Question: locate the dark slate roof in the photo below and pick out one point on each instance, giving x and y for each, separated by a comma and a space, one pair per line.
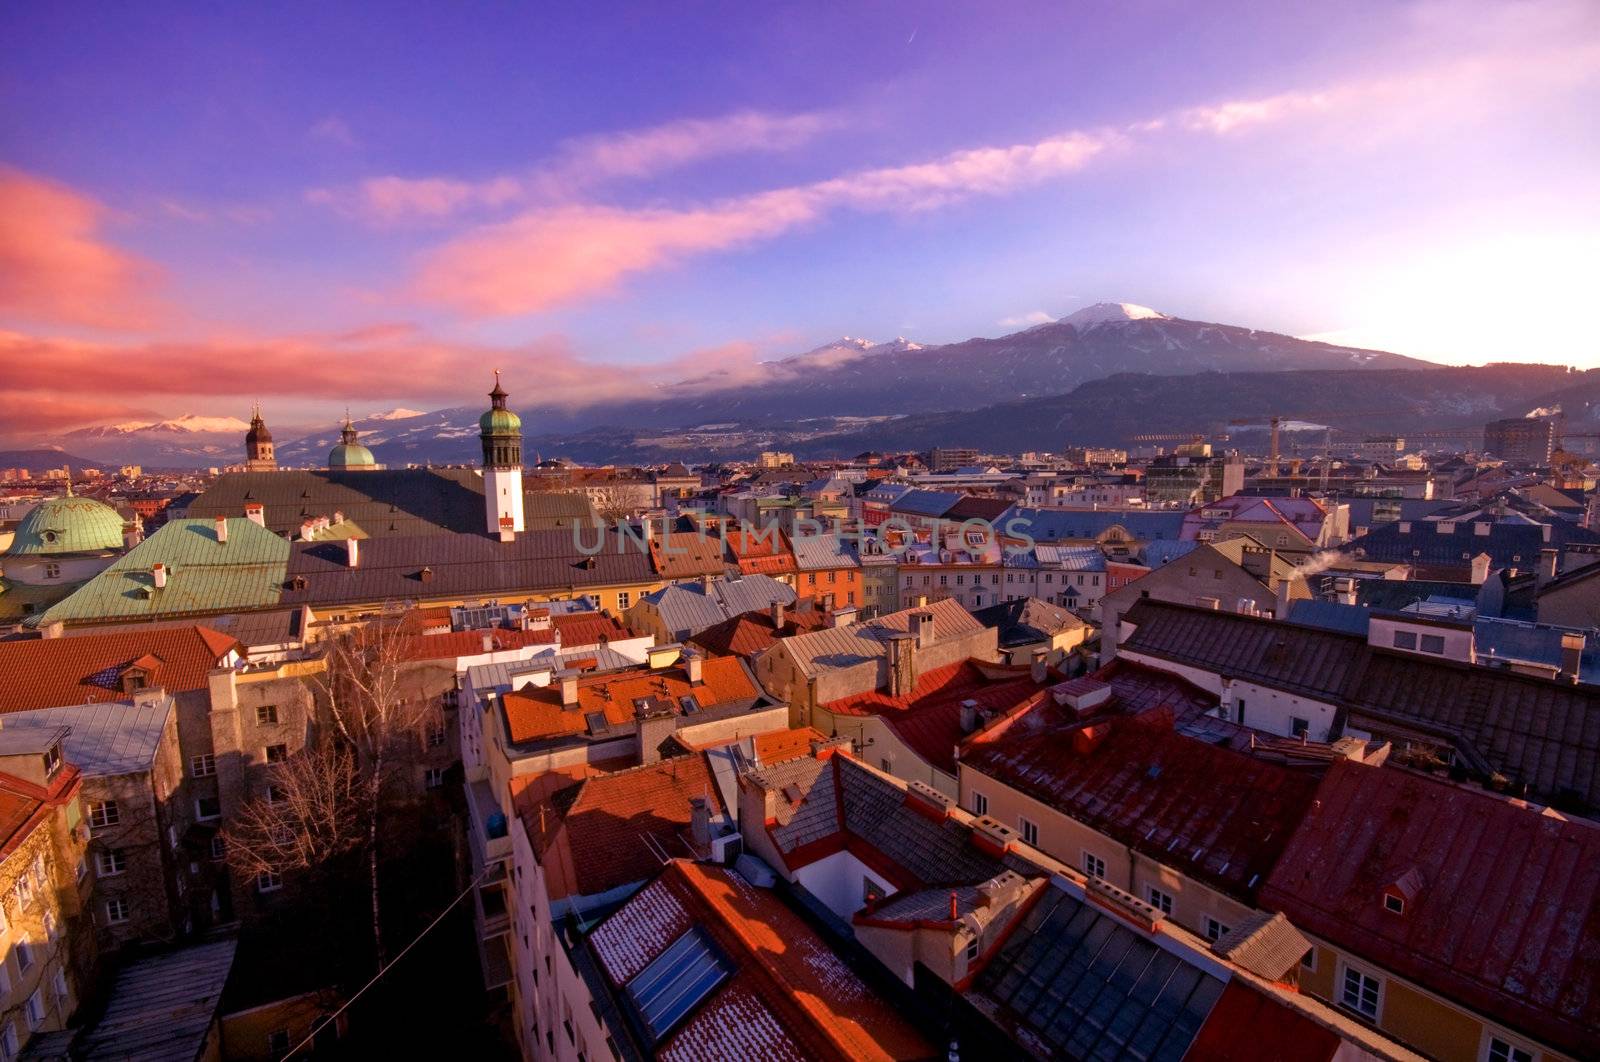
1503, 916
391, 569
1026, 620
1539, 731
1083, 983
1509, 545
399, 502
1056, 525
1364, 511
926, 502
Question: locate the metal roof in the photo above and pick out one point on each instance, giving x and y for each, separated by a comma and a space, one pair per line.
161, 1008
926, 502
857, 643
1056, 525
204, 575
818, 552
691, 608
105, 738
67, 525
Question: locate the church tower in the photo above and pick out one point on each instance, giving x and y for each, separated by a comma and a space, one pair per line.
258, 453
501, 432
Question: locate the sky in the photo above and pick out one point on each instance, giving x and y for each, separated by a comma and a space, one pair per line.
372, 206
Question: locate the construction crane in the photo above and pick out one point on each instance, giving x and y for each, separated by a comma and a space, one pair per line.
1275, 423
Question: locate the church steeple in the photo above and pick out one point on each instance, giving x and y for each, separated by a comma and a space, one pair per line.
501, 433
258, 451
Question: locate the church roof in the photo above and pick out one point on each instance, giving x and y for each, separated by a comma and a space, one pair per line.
67, 525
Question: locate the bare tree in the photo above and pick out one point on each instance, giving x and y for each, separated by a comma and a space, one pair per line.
328, 799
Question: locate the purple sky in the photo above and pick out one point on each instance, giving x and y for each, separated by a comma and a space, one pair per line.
320, 205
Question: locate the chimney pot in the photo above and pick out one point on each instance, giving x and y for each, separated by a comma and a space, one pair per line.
777, 615
159, 573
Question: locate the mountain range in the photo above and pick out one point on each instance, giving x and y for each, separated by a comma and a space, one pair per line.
1100, 375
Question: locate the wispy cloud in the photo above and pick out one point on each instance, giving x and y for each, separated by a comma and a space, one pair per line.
333, 129
547, 257
1025, 320
55, 265
577, 164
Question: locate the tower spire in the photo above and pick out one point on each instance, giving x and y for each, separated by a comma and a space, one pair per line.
500, 431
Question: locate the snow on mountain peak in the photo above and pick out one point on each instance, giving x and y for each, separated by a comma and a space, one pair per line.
1112, 313
400, 413
187, 423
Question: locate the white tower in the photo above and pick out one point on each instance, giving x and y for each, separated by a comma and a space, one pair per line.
501, 432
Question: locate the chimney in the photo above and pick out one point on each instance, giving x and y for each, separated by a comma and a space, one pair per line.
777, 615
1549, 561
352, 552
1544, 530
222, 529
1038, 668
1572, 646
1480, 569
508, 530
569, 686
255, 514
1344, 589
158, 572
969, 716
488, 642
902, 663
705, 583
694, 663
922, 628
700, 821
1405, 527
920, 601
1281, 609
1481, 528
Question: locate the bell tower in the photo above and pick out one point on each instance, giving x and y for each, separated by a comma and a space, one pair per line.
501, 433
258, 452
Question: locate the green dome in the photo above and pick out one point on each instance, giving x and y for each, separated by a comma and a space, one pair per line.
68, 525
499, 422
351, 455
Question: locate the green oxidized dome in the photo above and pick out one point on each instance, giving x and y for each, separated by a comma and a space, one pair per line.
68, 525
499, 422
350, 455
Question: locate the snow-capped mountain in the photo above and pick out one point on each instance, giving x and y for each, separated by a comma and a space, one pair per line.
1111, 313
189, 440
188, 424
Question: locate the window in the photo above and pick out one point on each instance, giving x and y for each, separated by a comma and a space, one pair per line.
116, 911
1161, 901
1093, 865
36, 1009
278, 1043
1360, 993
1030, 830
24, 891
277, 753
624, 599
1299, 727
24, 956
1308, 961
1405, 639
1394, 904
980, 803
103, 813
219, 847
433, 777
203, 766
1215, 930
1433, 643
50, 926
207, 809
59, 982
269, 881
52, 570
266, 714
1502, 1051
8, 1041
110, 861
435, 735
870, 892
52, 760
972, 950
276, 794
1241, 711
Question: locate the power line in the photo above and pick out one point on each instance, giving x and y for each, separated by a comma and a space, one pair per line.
392, 963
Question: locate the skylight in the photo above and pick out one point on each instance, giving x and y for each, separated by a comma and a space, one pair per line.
676, 982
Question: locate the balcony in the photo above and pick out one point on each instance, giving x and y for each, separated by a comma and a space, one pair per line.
488, 836
494, 919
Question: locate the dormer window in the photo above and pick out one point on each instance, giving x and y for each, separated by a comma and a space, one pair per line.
133, 681
1394, 904
52, 760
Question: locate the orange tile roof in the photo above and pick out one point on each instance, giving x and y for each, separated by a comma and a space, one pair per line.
789, 986
761, 554
776, 746
588, 628
607, 826
685, 554
24, 805
79, 669
534, 713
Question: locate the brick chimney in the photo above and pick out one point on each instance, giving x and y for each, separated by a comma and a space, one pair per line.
777, 615
1549, 561
700, 821
569, 687
352, 552
254, 512
1038, 668
902, 649
694, 664
1572, 646
222, 529
158, 572
922, 628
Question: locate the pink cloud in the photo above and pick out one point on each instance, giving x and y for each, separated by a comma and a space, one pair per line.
55, 267
546, 258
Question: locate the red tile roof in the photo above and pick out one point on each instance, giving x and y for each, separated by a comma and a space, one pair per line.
760, 554
1247, 1025
24, 806
79, 669
536, 712
1507, 918
609, 826
588, 628
928, 719
750, 633
790, 996
1219, 815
